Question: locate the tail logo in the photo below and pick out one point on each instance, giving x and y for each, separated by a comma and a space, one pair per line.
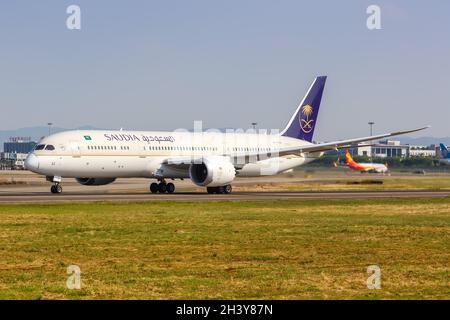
307, 124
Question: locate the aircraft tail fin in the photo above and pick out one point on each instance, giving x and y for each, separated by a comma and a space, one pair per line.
348, 157
445, 152
303, 121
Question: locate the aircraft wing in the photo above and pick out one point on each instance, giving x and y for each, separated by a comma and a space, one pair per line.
347, 143
256, 156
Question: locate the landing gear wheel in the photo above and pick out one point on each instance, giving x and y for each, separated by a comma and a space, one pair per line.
56, 188
219, 190
170, 188
227, 189
154, 188
162, 187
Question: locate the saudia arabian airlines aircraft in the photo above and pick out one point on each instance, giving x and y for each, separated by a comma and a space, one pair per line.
209, 159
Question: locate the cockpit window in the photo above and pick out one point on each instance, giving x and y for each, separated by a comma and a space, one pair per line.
49, 147
40, 147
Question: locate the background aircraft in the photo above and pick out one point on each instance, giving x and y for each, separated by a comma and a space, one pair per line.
364, 167
445, 154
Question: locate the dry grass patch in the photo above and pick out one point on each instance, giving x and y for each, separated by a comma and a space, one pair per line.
247, 250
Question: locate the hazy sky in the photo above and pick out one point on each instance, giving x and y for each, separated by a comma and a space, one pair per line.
163, 64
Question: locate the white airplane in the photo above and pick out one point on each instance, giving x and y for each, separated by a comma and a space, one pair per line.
209, 159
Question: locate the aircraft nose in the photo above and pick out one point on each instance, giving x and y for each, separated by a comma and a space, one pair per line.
31, 162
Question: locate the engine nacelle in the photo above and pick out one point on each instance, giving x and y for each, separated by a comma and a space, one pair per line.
95, 181
212, 172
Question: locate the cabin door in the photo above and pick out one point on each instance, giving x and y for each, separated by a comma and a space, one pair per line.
75, 147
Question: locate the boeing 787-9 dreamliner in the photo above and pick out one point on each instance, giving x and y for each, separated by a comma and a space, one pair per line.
210, 159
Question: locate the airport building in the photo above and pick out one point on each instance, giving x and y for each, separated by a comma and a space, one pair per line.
393, 148
424, 151
19, 145
385, 148
15, 153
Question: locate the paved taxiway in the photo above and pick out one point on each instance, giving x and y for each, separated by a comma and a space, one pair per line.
30, 188
70, 197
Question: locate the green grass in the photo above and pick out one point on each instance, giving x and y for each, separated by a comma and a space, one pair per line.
369, 182
233, 250
366, 183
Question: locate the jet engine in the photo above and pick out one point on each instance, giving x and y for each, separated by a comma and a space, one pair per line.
95, 181
212, 172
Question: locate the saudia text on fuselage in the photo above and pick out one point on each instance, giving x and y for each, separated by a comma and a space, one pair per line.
139, 138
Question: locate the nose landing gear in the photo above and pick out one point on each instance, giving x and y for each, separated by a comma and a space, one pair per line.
56, 188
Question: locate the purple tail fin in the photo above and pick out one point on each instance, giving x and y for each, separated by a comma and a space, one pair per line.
302, 124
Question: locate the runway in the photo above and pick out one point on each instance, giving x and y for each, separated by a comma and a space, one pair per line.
72, 197
29, 188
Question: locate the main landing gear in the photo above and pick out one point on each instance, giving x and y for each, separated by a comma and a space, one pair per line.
220, 190
162, 187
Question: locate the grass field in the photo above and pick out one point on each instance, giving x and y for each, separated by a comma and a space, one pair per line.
364, 183
235, 250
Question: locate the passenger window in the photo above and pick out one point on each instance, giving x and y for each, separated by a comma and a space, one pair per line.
40, 147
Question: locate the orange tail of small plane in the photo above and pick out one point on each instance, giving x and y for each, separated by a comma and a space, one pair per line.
351, 163
348, 158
